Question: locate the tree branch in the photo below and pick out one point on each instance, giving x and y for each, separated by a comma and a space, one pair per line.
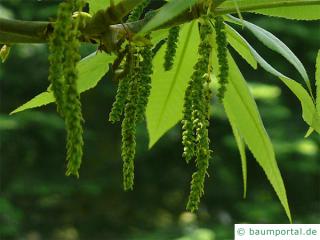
16, 31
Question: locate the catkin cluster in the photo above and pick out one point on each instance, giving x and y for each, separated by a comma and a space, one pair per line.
221, 39
132, 97
195, 117
134, 89
131, 101
64, 54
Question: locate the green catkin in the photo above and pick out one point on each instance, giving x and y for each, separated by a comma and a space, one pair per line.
64, 54
122, 92
145, 72
188, 125
57, 45
221, 40
129, 123
200, 98
72, 105
171, 50
132, 98
138, 91
188, 138
137, 12
197, 182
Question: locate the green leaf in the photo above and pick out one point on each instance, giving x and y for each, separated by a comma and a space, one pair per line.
318, 81
242, 150
317, 77
275, 44
167, 12
165, 105
308, 10
91, 69
38, 101
309, 113
239, 44
244, 115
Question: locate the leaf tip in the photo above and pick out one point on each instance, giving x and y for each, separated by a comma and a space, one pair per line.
309, 132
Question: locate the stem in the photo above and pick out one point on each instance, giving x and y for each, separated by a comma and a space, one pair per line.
16, 31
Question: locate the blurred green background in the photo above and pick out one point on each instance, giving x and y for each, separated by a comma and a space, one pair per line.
37, 200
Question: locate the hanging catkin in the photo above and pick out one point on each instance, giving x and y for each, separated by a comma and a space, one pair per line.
132, 98
57, 45
188, 134
195, 123
73, 115
64, 55
221, 40
128, 147
171, 50
122, 92
145, 72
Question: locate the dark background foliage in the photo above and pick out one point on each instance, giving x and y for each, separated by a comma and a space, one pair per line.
37, 200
